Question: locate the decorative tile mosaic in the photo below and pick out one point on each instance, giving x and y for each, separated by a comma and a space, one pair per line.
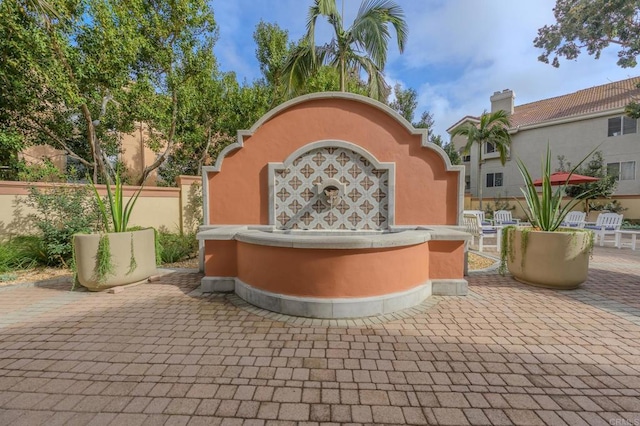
364, 203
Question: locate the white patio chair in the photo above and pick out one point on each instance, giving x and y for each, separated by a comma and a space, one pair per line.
479, 213
473, 225
574, 219
503, 217
606, 224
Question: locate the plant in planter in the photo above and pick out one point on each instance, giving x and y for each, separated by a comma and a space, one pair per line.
545, 254
119, 256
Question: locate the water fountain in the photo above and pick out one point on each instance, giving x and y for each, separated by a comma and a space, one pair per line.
333, 206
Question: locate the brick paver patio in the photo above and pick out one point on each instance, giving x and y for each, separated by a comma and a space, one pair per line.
162, 353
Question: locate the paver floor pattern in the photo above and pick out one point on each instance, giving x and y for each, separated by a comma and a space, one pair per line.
162, 353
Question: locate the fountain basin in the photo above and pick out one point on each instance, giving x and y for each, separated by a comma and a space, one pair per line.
332, 274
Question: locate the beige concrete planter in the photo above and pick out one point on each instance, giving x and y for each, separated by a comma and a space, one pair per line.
85, 248
549, 259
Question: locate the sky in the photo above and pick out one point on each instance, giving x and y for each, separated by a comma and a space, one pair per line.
459, 52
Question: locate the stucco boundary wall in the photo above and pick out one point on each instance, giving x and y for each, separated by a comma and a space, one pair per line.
172, 209
630, 202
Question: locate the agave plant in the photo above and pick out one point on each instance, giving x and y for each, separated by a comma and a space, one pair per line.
545, 210
117, 210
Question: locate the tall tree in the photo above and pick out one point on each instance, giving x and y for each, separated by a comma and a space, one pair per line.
53, 102
78, 79
592, 25
361, 47
493, 129
178, 47
272, 49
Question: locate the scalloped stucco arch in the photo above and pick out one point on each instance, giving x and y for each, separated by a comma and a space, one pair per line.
262, 133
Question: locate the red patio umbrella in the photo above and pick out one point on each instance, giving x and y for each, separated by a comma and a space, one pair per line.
560, 178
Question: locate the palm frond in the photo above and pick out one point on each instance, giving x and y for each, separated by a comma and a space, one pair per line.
370, 29
377, 87
319, 8
301, 64
470, 131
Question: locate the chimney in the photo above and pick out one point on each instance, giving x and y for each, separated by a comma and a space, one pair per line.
503, 100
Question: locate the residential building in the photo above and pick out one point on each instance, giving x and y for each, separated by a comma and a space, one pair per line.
573, 125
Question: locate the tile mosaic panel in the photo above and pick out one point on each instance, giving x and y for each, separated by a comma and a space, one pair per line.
364, 205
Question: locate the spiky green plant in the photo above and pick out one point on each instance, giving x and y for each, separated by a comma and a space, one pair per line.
544, 210
117, 210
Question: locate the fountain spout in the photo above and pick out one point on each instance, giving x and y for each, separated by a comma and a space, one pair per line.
332, 194
331, 190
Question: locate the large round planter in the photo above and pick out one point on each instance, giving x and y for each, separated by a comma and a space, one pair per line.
549, 259
85, 248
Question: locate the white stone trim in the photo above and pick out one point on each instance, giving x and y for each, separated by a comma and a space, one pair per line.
333, 239
217, 284
450, 287
313, 307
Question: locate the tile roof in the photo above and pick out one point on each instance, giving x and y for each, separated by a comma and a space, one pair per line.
594, 99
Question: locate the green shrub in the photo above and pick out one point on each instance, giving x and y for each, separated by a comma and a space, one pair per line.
630, 224
176, 247
61, 212
22, 252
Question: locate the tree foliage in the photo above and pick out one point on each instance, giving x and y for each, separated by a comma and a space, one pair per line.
272, 49
592, 25
405, 102
10, 164
594, 167
221, 110
101, 68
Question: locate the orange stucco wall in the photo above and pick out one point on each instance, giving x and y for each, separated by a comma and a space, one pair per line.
220, 258
425, 192
333, 273
445, 259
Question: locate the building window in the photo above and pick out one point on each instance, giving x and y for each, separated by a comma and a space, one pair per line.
465, 158
467, 183
625, 170
621, 126
494, 179
489, 148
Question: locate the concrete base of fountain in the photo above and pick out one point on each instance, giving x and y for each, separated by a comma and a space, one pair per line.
332, 274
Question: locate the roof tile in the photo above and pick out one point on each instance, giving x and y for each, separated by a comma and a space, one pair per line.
594, 99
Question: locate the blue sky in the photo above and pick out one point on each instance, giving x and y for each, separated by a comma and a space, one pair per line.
458, 53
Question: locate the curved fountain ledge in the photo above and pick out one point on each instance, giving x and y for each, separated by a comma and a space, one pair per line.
269, 272
333, 239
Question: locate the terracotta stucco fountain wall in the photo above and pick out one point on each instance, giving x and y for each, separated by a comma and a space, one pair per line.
332, 205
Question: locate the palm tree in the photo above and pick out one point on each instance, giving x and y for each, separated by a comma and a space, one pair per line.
493, 129
363, 46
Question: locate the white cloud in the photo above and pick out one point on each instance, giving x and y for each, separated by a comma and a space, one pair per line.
482, 47
458, 53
